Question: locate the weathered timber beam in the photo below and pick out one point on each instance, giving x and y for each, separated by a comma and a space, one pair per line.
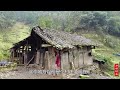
46, 45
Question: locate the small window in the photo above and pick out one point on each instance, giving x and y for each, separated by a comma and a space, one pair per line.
89, 54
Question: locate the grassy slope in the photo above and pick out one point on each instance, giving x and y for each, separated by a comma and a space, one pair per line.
10, 36
106, 49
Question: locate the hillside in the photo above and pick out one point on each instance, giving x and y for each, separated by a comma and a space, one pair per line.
106, 50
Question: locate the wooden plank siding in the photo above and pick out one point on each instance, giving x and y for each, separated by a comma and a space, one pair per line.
47, 60
37, 58
51, 56
80, 59
88, 59
65, 62
71, 59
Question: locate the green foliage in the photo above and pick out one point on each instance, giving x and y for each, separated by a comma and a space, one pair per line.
100, 21
45, 22
7, 38
93, 20
5, 22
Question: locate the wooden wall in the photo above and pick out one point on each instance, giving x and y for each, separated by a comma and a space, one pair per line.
65, 63
75, 58
46, 59
70, 59
88, 59
51, 59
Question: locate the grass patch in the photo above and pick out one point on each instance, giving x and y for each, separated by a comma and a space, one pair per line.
84, 76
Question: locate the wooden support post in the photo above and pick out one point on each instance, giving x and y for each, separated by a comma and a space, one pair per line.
43, 64
80, 58
37, 57
23, 55
71, 59
76, 57
64, 61
17, 55
13, 56
46, 60
83, 58
41, 59
20, 55
25, 59
51, 58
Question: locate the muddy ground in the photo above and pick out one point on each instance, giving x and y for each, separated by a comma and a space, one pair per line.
23, 73
29, 73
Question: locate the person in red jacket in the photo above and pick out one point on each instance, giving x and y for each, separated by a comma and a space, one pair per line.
57, 60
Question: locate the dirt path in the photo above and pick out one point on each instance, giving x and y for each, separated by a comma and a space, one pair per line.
23, 73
